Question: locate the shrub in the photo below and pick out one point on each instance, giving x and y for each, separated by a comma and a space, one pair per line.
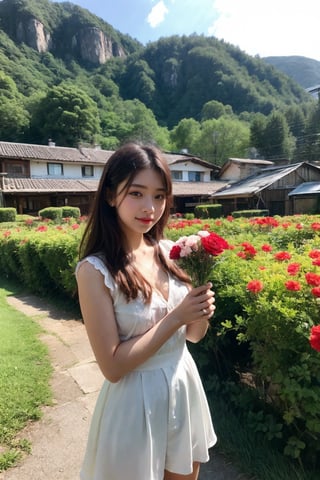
208, 211
250, 213
71, 212
8, 214
51, 213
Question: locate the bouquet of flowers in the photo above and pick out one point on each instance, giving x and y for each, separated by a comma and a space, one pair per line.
196, 254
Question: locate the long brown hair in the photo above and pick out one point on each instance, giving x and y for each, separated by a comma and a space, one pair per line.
103, 236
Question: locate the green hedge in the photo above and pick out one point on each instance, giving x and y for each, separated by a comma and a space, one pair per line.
208, 211
7, 214
51, 213
71, 212
250, 213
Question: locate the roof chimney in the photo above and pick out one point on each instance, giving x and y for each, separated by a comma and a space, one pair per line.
51, 143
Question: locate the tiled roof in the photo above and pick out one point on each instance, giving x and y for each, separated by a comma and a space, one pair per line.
83, 155
173, 158
96, 155
40, 185
28, 151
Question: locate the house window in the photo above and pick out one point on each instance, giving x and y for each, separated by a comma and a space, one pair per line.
15, 169
176, 174
55, 169
194, 176
87, 170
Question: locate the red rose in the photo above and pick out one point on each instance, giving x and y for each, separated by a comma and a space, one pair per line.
292, 285
266, 248
314, 254
282, 256
249, 249
214, 244
316, 292
315, 337
255, 286
293, 268
175, 252
313, 279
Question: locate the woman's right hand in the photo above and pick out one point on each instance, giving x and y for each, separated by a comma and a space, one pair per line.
198, 304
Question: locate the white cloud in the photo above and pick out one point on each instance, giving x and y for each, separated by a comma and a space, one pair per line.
157, 14
276, 27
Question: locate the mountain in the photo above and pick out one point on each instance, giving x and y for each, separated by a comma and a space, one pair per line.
305, 71
44, 44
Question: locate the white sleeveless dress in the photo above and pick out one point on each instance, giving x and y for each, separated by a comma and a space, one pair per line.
157, 416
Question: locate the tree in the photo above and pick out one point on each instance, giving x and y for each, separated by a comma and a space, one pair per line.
279, 142
185, 134
67, 115
257, 132
137, 122
309, 147
14, 116
221, 139
215, 109
14, 120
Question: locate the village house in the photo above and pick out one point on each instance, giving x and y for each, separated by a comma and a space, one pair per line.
33, 177
282, 190
235, 169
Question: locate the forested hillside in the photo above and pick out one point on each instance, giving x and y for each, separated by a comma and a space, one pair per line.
67, 75
305, 71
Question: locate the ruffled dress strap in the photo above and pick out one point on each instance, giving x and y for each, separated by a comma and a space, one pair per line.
99, 265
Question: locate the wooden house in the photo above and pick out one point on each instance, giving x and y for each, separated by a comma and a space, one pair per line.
235, 169
269, 189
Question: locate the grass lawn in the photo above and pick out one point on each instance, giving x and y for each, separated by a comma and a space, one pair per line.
24, 378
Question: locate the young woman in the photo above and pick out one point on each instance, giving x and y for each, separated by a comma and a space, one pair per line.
151, 420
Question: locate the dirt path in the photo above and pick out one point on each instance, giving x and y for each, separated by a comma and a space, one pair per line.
58, 439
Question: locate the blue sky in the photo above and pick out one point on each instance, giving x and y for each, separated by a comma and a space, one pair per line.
269, 27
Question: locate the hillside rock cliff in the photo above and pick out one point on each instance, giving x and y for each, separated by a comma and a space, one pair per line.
95, 47
64, 29
32, 33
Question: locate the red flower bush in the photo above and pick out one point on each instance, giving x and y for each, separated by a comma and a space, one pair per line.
314, 254
293, 285
315, 337
312, 279
282, 256
255, 286
293, 268
316, 292
248, 251
315, 226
